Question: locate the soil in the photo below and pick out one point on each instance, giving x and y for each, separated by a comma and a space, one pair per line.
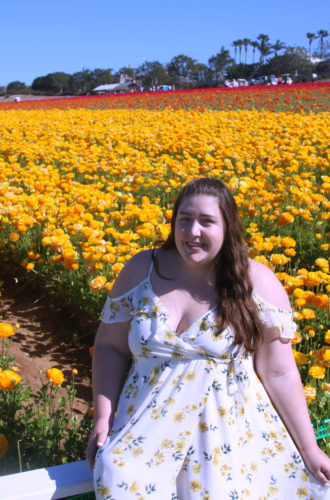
44, 338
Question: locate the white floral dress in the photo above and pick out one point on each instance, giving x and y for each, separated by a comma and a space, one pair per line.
193, 420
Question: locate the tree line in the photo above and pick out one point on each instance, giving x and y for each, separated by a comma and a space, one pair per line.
186, 72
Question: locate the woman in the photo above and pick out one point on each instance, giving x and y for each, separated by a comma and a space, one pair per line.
192, 419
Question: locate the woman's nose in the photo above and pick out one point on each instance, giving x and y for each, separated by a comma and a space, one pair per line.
195, 228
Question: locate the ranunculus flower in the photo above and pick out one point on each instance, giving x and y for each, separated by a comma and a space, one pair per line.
8, 379
316, 371
55, 375
6, 330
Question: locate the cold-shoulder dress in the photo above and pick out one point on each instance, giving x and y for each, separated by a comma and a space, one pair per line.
193, 419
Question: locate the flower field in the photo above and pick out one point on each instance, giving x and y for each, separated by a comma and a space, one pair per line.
87, 182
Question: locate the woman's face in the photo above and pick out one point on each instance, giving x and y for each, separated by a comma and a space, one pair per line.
199, 230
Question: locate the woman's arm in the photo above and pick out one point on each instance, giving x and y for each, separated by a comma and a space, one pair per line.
111, 357
277, 370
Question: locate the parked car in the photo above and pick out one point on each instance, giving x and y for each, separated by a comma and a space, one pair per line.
242, 82
286, 78
272, 80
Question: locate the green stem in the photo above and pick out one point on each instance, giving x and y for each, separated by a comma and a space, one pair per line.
19, 457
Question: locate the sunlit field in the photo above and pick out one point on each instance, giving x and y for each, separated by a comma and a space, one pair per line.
86, 183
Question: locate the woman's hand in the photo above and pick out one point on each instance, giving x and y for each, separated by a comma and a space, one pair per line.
96, 440
318, 463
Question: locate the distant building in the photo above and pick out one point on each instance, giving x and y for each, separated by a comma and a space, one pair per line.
112, 88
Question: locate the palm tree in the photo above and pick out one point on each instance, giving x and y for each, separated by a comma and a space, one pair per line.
311, 37
240, 44
278, 45
322, 34
235, 45
263, 46
254, 46
246, 42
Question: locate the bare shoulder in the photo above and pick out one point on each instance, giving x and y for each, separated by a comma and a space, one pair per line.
134, 271
267, 286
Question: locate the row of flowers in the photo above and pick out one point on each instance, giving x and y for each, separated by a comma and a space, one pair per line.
301, 98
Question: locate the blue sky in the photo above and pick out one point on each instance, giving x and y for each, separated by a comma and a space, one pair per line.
38, 37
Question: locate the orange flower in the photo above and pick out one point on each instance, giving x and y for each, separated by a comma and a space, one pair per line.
55, 375
296, 339
8, 379
4, 445
97, 283
91, 349
6, 330
316, 371
327, 337
307, 313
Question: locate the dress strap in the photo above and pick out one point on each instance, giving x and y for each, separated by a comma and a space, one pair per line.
151, 266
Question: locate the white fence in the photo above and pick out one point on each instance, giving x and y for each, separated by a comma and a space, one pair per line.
51, 483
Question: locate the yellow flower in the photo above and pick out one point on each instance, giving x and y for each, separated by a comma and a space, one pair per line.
316, 371
6, 330
8, 379
55, 376
75, 371
300, 357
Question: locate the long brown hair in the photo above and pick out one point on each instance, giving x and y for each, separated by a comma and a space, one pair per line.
233, 286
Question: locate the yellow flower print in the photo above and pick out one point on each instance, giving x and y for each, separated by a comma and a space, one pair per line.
195, 485
272, 490
134, 487
103, 491
179, 416
137, 451
246, 492
159, 458
189, 376
130, 409
279, 447
169, 335
117, 451
166, 444
180, 445
273, 435
253, 467
304, 476
196, 468
203, 427
302, 492
222, 411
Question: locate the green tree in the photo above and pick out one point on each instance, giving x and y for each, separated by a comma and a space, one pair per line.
152, 74
181, 69
53, 83
295, 61
322, 34
277, 46
311, 37
16, 87
126, 74
254, 44
246, 42
264, 47
240, 45
81, 81
235, 45
219, 62
101, 77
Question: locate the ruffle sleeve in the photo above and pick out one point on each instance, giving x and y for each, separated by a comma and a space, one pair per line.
118, 309
272, 316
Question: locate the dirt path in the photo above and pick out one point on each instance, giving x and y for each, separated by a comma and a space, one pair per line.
44, 337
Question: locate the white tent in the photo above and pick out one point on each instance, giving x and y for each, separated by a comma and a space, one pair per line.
116, 87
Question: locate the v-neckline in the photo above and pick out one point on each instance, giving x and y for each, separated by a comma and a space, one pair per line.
166, 313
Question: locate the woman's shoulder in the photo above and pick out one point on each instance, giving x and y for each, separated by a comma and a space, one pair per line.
267, 286
134, 271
